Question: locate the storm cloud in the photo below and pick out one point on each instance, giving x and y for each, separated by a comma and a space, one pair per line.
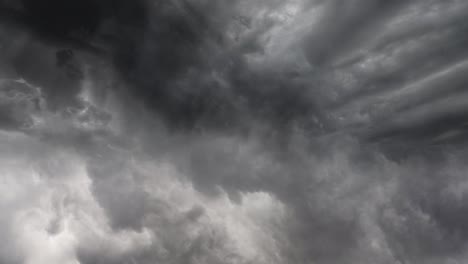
245, 131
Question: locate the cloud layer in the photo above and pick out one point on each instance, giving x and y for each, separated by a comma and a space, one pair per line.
191, 131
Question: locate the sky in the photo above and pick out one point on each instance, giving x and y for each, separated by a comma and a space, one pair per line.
233, 131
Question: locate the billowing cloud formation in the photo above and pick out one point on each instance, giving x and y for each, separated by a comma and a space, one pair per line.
192, 131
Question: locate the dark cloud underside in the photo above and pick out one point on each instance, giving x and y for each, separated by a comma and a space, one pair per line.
197, 131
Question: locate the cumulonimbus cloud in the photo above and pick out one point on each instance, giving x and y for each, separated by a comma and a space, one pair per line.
189, 131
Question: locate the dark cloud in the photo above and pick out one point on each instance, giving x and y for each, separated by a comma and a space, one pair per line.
192, 131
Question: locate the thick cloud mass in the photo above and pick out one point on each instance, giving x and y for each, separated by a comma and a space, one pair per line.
233, 131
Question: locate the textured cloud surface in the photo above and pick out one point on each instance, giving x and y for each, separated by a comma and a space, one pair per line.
233, 131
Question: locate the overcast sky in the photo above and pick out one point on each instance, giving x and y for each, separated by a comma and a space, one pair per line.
233, 131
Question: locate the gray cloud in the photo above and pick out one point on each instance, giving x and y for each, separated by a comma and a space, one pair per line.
192, 131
